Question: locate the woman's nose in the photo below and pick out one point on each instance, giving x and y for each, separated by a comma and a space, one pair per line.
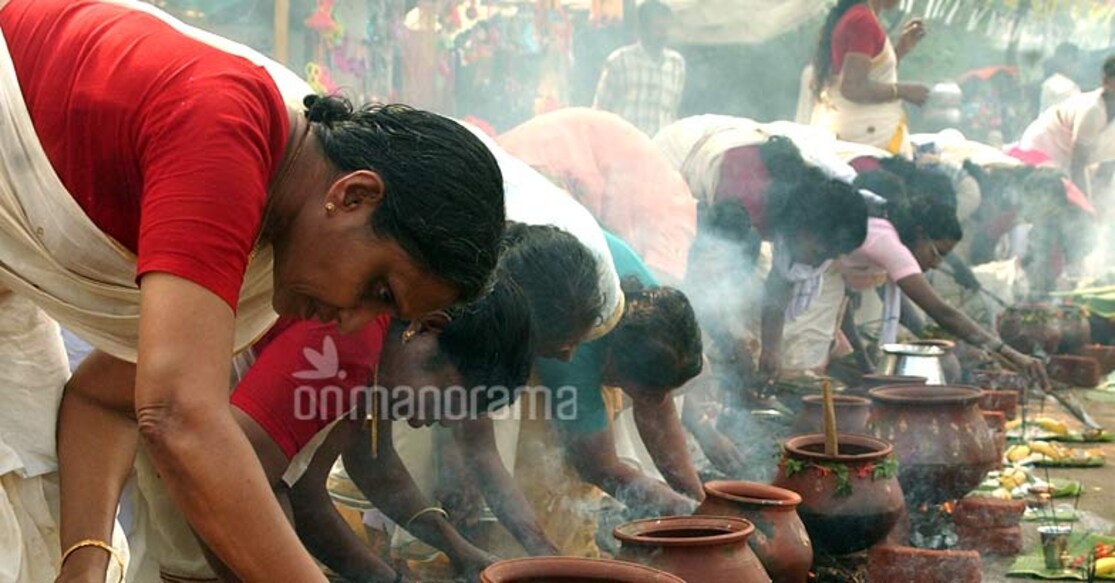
349, 321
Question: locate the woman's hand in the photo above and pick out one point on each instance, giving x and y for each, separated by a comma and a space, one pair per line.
912, 33
770, 363
1031, 367
469, 564
913, 93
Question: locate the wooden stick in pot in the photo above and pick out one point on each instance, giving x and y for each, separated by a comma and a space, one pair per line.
832, 446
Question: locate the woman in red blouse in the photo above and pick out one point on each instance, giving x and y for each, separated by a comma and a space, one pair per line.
855, 76
188, 166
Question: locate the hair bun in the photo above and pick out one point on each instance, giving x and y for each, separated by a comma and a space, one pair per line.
327, 109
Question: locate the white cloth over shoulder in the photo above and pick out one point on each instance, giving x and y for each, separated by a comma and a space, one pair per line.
696, 146
532, 199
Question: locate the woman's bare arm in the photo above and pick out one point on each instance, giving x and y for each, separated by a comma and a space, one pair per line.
205, 461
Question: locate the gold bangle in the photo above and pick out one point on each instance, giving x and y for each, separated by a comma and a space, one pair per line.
92, 542
424, 512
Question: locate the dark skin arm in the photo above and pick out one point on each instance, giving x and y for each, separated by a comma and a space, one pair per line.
477, 443
697, 416
776, 296
857, 86
322, 529
594, 457
180, 403
387, 484
97, 441
660, 428
851, 332
955, 322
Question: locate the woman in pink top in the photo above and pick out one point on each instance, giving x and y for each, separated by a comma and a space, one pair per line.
919, 230
615, 171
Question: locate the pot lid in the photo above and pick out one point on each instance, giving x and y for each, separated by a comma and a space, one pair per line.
913, 349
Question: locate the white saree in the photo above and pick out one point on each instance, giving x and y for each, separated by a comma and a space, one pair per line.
882, 125
56, 266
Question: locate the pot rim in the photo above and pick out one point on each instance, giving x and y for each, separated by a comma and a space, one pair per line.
777, 497
899, 379
908, 349
941, 343
606, 570
838, 400
795, 444
927, 395
641, 532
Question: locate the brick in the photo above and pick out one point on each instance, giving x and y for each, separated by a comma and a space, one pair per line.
1076, 371
1004, 542
891, 563
981, 512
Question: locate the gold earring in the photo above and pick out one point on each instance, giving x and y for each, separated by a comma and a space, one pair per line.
330, 207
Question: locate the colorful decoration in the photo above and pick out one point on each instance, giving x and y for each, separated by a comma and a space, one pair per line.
323, 22
320, 79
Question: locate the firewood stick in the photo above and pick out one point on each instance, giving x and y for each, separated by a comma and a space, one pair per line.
832, 447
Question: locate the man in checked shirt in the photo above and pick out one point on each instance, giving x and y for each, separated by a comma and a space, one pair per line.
643, 82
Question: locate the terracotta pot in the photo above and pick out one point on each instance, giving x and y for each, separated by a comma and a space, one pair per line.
1076, 332
1005, 402
695, 548
851, 414
950, 364
780, 539
1105, 355
940, 438
850, 501
1075, 371
1030, 328
572, 570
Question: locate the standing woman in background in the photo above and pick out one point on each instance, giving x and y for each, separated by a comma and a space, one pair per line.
856, 76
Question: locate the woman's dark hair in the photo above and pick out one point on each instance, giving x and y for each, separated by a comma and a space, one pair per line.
822, 59
782, 159
915, 206
657, 343
489, 342
559, 277
443, 200
829, 209
726, 225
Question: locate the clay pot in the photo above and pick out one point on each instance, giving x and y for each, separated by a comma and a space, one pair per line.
1105, 355
851, 414
874, 381
780, 539
571, 570
950, 364
1076, 332
695, 548
1030, 328
850, 501
940, 438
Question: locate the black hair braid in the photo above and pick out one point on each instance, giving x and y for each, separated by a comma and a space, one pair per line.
327, 109
822, 59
